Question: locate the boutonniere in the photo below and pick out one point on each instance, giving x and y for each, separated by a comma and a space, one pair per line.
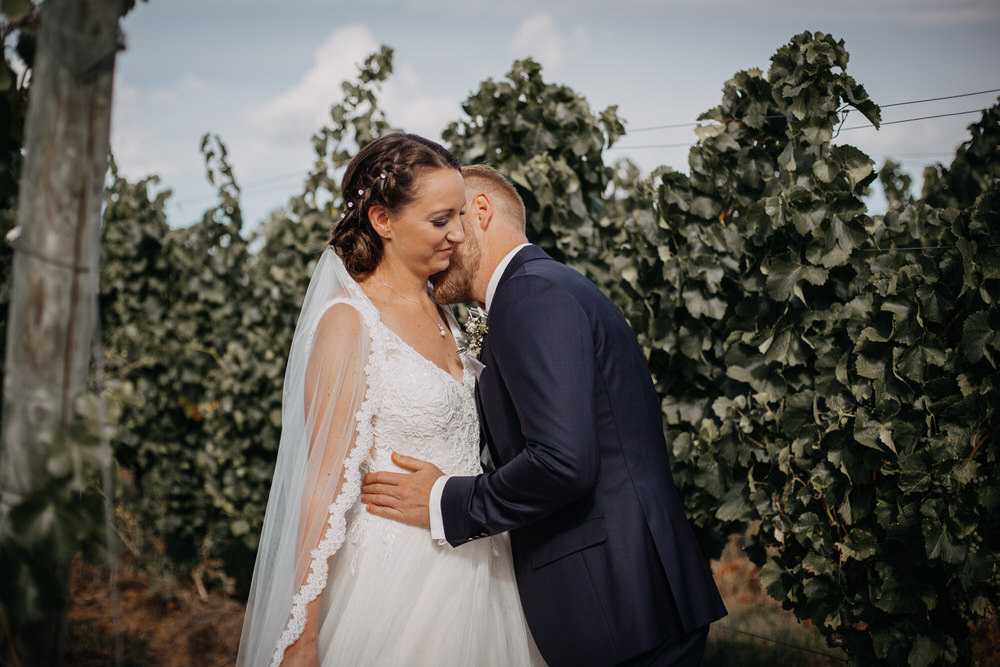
475, 331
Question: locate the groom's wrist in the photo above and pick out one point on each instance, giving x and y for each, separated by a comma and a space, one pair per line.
434, 508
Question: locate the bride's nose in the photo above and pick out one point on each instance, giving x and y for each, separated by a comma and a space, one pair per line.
457, 232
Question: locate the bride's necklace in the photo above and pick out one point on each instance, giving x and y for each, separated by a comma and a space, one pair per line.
401, 296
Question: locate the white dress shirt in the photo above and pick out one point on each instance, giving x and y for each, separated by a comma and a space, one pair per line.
434, 502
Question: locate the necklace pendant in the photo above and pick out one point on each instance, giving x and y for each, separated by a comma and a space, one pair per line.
441, 330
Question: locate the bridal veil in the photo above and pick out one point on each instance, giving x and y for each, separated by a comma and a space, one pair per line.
325, 437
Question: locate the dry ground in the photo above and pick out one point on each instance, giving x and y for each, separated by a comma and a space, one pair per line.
181, 625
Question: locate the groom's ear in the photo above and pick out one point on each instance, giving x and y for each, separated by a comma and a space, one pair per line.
481, 210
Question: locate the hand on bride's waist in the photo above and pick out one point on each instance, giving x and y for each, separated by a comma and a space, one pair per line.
401, 496
457, 463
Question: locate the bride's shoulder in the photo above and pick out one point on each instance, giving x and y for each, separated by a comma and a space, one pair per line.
343, 316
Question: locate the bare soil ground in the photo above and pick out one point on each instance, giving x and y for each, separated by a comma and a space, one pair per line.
174, 626
182, 624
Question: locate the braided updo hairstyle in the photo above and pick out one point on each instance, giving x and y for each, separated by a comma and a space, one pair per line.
383, 173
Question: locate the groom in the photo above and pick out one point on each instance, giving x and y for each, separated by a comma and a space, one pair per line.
607, 566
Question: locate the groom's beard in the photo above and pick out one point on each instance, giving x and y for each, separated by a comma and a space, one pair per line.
454, 284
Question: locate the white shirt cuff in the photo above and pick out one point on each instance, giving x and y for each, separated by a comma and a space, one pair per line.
434, 507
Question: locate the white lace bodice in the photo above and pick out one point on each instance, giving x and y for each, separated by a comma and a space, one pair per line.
423, 411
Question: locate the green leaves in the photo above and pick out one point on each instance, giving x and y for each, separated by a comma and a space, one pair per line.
939, 544
775, 580
55, 528
855, 165
64, 516
980, 339
840, 391
817, 375
13, 9
784, 274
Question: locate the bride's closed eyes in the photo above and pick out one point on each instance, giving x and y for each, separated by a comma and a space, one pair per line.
445, 221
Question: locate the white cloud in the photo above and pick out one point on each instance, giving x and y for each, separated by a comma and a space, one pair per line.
276, 144
132, 141
537, 37
178, 94
299, 111
581, 37
294, 115
412, 110
551, 44
919, 12
154, 131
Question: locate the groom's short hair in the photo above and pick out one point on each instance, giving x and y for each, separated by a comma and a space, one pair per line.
487, 178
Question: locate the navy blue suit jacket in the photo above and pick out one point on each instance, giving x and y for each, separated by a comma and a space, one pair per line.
607, 565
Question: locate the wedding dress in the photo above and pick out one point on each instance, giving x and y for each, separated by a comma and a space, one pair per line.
392, 595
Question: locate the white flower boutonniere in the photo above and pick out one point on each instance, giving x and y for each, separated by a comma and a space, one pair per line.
475, 330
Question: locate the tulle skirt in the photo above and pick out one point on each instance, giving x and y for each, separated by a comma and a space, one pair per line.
396, 597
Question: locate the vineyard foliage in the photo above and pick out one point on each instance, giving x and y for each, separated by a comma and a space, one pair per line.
827, 375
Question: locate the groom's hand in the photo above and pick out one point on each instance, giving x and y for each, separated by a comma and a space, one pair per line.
401, 496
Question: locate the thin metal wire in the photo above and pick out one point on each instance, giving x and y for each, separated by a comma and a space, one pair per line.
940, 247
97, 352
258, 186
804, 649
910, 120
855, 127
936, 99
881, 106
661, 127
687, 145
19, 245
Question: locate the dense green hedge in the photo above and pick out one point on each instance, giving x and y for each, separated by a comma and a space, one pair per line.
825, 373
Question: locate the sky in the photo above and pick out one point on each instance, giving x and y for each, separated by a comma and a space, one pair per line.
262, 74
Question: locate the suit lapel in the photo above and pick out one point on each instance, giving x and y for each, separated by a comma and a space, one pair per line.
524, 255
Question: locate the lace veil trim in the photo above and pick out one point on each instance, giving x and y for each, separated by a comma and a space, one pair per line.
336, 530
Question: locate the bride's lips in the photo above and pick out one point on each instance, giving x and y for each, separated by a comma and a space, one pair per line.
447, 251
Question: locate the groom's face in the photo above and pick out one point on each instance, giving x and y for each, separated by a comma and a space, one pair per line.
455, 284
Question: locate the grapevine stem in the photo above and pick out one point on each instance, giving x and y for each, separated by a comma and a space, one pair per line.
944, 332
777, 501
982, 441
7, 633
831, 514
725, 210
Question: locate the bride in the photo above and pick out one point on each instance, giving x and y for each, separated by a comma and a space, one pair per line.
374, 368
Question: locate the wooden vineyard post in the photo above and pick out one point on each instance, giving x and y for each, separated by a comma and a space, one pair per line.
53, 304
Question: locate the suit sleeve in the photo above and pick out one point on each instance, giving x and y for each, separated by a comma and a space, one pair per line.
542, 346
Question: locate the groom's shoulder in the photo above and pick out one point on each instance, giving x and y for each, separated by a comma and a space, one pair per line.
546, 271
545, 266
548, 279
567, 277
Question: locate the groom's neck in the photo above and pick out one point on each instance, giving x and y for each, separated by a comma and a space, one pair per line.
493, 254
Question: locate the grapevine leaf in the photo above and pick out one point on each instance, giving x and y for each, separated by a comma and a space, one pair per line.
938, 543
925, 651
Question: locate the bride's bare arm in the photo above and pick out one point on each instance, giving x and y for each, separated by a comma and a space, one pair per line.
305, 651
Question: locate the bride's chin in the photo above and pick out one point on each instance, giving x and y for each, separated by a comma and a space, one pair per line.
439, 266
